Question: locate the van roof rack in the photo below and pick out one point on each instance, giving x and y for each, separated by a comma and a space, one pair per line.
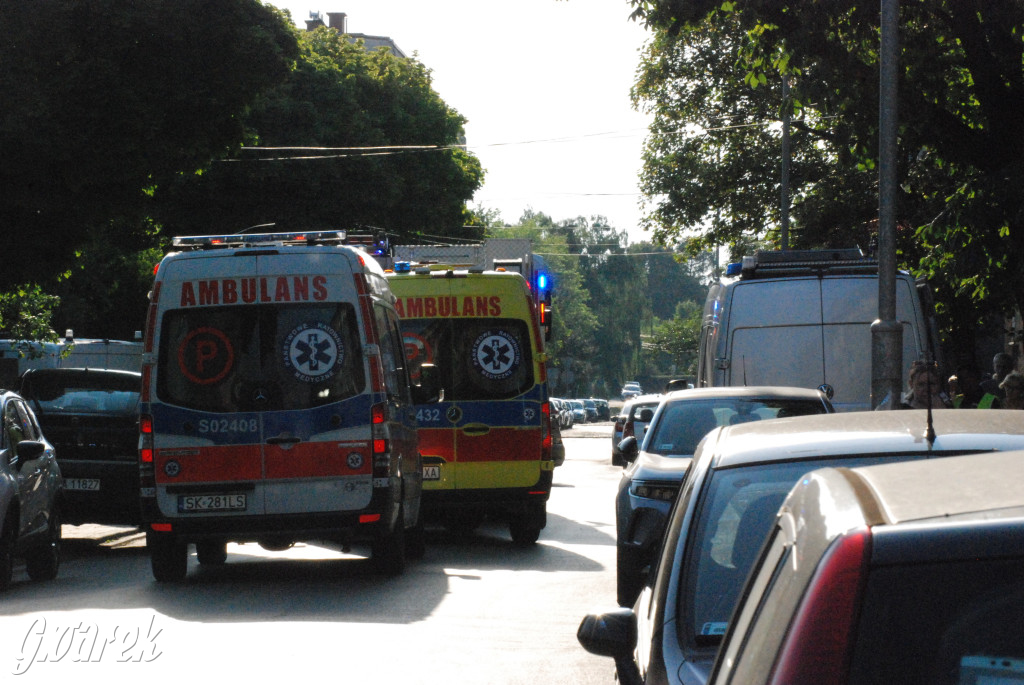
212, 242
774, 263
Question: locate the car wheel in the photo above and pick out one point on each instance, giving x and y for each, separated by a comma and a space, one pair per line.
629, 579
7, 540
42, 562
388, 553
525, 527
212, 552
168, 557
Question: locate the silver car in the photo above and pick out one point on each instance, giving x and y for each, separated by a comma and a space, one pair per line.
726, 507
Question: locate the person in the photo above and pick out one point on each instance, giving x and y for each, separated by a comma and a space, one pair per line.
970, 394
1013, 387
1002, 364
926, 388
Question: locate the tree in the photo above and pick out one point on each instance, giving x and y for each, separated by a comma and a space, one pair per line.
961, 140
350, 138
105, 99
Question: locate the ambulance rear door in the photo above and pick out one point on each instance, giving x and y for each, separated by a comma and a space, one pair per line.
261, 385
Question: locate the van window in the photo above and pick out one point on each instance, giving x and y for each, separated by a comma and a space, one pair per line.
264, 357
392, 353
477, 359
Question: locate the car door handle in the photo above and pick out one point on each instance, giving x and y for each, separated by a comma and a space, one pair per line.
283, 440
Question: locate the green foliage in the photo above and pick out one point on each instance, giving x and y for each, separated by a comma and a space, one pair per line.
676, 340
337, 99
26, 313
103, 100
712, 77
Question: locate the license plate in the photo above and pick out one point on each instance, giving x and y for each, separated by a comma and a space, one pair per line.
200, 503
431, 473
81, 483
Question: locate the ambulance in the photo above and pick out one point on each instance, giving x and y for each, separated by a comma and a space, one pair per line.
276, 405
487, 444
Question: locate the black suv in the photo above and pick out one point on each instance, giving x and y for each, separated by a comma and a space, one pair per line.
91, 416
30, 494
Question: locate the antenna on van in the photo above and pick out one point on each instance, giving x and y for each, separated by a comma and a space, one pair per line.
743, 361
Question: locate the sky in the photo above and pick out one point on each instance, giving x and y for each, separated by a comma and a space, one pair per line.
544, 85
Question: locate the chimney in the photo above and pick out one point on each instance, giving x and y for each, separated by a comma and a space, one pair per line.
314, 22
338, 21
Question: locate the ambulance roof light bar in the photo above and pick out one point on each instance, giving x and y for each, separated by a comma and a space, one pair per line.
206, 242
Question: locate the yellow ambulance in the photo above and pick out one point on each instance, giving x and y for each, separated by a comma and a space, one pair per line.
487, 445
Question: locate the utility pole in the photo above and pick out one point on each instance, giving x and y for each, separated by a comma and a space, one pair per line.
886, 331
784, 232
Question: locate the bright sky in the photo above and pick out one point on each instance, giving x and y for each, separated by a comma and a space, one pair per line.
544, 85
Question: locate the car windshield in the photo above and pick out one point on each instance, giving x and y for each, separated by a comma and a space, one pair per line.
733, 519
86, 393
684, 423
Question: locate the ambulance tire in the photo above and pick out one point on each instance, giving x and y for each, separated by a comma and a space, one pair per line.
168, 558
388, 552
212, 552
525, 526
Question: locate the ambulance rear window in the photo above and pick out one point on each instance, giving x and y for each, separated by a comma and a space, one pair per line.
477, 359
253, 358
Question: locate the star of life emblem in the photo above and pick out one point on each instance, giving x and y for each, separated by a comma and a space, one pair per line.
313, 352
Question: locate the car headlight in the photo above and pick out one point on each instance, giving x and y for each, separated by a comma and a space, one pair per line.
665, 492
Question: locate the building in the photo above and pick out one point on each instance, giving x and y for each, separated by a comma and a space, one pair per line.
339, 22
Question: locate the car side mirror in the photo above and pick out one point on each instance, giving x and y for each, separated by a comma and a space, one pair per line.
645, 415
28, 450
428, 390
629, 448
614, 634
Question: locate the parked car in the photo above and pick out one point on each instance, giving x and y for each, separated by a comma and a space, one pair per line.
633, 422
579, 411
727, 505
92, 418
591, 408
650, 482
907, 573
557, 446
30, 494
604, 412
631, 389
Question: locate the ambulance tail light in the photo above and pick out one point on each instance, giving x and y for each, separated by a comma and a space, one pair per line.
381, 446
147, 474
146, 439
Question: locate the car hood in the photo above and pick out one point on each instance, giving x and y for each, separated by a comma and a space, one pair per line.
659, 467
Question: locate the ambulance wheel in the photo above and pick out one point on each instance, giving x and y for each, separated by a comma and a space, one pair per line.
388, 553
525, 526
211, 552
168, 557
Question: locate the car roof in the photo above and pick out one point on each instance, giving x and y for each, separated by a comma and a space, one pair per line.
742, 391
977, 486
868, 432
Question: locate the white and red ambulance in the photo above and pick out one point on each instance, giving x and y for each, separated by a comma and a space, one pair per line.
276, 404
